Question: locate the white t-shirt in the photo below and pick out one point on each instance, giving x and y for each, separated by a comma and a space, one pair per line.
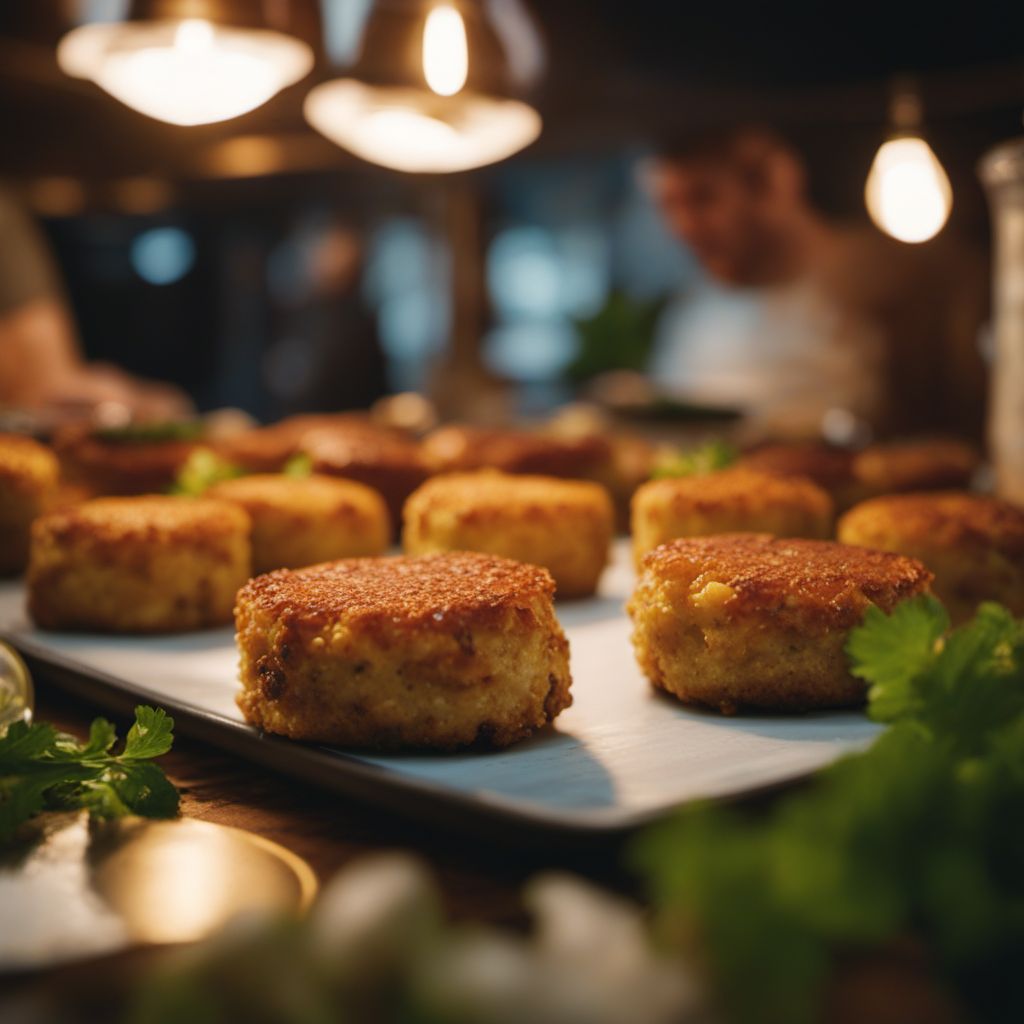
786, 356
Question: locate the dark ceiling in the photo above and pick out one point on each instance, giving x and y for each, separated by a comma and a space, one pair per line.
620, 73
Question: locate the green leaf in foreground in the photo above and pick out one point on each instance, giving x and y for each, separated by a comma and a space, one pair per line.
919, 840
42, 769
891, 651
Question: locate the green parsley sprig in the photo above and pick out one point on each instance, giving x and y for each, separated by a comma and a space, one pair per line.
43, 769
708, 458
918, 840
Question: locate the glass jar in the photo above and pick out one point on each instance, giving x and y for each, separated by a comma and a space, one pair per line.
1002, 173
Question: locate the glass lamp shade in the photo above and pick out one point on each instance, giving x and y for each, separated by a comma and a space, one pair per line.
186, 62
908, 194
435, 86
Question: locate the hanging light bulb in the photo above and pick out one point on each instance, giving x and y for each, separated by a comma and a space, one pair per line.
184, 70
435, 88
908, 194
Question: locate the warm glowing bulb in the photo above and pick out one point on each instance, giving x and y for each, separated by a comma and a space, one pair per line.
185, 72
908, 193
403, 128
445, 51
193, 35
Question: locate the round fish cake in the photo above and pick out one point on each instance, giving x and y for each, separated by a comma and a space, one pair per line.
437, 652
973, 544
750, 620
460, 448
299, 521
921, 465
728, 501
830, 467
108, 464
267, 449
150, 564
565, 526
28, 485
387, 460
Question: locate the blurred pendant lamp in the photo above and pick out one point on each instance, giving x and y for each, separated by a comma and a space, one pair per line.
190, 62
908, 194
434, 86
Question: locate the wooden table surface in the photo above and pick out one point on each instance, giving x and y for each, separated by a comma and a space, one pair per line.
480, 877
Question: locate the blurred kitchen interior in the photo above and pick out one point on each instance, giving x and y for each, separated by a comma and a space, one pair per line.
254, 263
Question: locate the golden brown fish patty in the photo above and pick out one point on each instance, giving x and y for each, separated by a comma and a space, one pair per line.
460, 448
830, 467
750, 620
300, 521
436, 652
150, 564
973, 544
386, 460
28, 485
566, 526
110, 466
919, 465
730, 500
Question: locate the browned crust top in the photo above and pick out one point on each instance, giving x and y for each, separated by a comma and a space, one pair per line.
827, 466
767, 571
942, 519
147, 517
916, 464
462, 447
425, 590
355, 445
728, 485
274, 490
501, 494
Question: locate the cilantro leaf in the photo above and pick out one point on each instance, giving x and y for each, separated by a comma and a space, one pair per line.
42, 769
917, 840
891, 651
23, 741
151, 735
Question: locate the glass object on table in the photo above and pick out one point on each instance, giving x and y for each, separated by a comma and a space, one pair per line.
1002, 172
16, 695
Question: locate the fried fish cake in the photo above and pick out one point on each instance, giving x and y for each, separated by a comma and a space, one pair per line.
28, 485
751, 620
915, 465
566, 526
437, 652
973, 544
107, 463
267, 449
830, 467
150, 564
727, 501
387, 460
460, 448
299, 521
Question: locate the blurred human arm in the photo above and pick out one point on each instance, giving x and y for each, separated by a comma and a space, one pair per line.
41, 366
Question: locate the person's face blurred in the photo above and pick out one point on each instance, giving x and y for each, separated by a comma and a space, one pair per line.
715, 212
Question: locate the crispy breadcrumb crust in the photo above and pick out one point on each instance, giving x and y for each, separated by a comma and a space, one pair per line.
138, 565
731, 500
28, 486
974, 544
566, 526
305, 520
437, 652
751, 620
